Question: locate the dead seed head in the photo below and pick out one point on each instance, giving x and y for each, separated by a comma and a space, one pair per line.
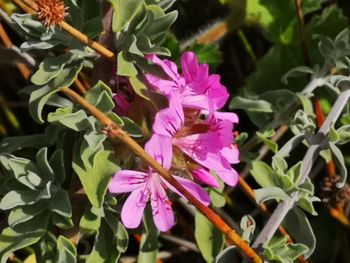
51, 12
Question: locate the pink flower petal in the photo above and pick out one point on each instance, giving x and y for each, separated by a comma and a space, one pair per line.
127, 181
229, 116
193, 188
169, 121
196, 102
168, 66
204, 176
160, 85
133, 208
231, 154
197, 146
217, 92
163, 215
223, 129
189, 64
161, 149
221, 166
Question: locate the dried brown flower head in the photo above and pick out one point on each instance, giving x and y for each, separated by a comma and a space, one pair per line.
51, 12
333, 195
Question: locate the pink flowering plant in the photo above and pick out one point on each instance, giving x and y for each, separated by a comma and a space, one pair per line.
130, 141
182, 141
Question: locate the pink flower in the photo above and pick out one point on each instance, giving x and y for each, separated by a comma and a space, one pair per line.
197, 88
148, 186
124, 96
208, 143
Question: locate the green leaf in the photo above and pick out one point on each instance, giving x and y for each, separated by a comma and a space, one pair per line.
279, 250
263, 174
138, 86
61, 221
120, 233
248, 226
101, 97
164, 4
279, 165
124, 12
306, 102
46, 248
13, 144
57, 164
50, 68
300, 229
250, 104
344, 134
95, 180
306, 203
217, 195
38, 99
60, 204
105, 247
46, 171
157, 23
17, 198
340, 162
268, 193
297, 72
209, 239
126, 66
66, 251
77, 120
89, 222
265, 138
132, 128
23, 214
258, 13
23, 235
40, 96
24, 170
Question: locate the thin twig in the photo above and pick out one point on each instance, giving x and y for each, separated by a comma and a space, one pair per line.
179, 241
303, 43
8, 43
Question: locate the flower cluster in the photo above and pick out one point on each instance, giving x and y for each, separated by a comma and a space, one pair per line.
191, 138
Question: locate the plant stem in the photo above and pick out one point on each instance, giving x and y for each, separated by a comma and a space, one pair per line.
8, 43
247, 46
283, 207
303, 43
115, 131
